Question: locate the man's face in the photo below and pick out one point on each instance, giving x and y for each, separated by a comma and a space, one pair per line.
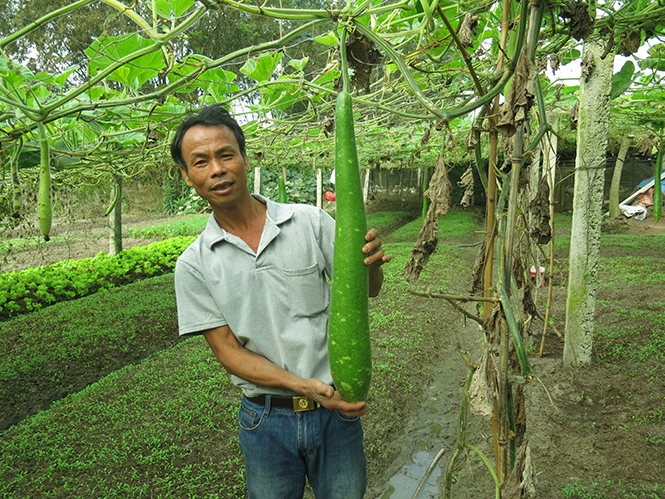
215, 166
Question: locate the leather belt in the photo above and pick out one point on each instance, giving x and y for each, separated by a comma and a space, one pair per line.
298, 404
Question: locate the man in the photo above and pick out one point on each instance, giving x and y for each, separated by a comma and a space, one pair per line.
254, 284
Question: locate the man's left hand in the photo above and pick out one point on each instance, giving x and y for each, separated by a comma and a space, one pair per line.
375, 255
374, 259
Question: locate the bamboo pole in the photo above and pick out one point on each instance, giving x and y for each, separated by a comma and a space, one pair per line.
551, 165
503, 437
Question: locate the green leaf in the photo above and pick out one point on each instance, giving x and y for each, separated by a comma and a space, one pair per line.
163, 9
107, 50
650, 63
329, 39
180, 6
327, 79
216, 81
62, 77
569, 56
622, 80
263, 68
4, 69
129, 138
16, 74
299, 64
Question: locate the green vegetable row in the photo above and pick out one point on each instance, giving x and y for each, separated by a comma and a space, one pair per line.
51, 353
35, 288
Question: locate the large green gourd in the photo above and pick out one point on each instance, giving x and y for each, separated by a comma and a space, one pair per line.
348, 329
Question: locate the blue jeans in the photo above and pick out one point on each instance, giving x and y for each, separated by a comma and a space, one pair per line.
282, 447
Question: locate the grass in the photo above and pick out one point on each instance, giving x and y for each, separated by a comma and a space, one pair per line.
384, 221
191, 225
634, 269
454, 225
140, 418
636, 335
27, 243
160, 428
578, 490
163, 423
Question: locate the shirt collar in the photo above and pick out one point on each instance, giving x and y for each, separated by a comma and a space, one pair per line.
276, 213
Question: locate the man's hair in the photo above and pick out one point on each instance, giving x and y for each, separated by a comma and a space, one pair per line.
213, 115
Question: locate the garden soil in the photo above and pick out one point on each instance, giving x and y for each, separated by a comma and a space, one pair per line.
581, 423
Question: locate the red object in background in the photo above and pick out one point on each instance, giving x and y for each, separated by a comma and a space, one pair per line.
330, 196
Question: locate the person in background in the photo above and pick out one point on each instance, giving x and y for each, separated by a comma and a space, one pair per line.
254, 284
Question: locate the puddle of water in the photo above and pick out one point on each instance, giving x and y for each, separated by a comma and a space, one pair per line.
404, 484
433, 428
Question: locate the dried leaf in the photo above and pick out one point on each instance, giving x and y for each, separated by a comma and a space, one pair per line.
588, 66
478, 273
518, 267
574, 115
425, 245
468, 29
541, 231
520, 97
426, 136
362, 56
521, 484
466, 181
580, 25
440, 188
471, 139
480, 394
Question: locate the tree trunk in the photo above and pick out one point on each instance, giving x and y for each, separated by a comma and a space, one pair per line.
115, 218
616, 178
592, 131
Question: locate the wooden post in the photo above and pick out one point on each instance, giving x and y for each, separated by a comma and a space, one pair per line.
368, 172
257, 180
319, 187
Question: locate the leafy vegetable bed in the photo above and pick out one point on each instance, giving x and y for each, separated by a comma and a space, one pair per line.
35, 288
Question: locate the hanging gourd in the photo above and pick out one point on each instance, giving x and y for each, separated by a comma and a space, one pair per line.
17, 188
44, 202
349, 346
282, 189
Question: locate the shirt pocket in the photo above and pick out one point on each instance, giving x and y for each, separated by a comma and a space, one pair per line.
308, 291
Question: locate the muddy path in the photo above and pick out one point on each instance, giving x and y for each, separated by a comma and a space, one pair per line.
434, 428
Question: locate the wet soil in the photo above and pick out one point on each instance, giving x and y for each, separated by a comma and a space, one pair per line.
595, 432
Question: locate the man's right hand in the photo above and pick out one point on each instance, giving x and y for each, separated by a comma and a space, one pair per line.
330, 398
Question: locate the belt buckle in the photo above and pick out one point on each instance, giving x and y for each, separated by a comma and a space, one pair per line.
302, 404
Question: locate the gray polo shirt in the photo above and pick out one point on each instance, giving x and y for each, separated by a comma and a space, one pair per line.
275, 300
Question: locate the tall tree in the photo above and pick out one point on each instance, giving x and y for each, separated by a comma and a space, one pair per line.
592, 139
61, 43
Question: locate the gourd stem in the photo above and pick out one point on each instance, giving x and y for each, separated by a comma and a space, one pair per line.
345, 65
